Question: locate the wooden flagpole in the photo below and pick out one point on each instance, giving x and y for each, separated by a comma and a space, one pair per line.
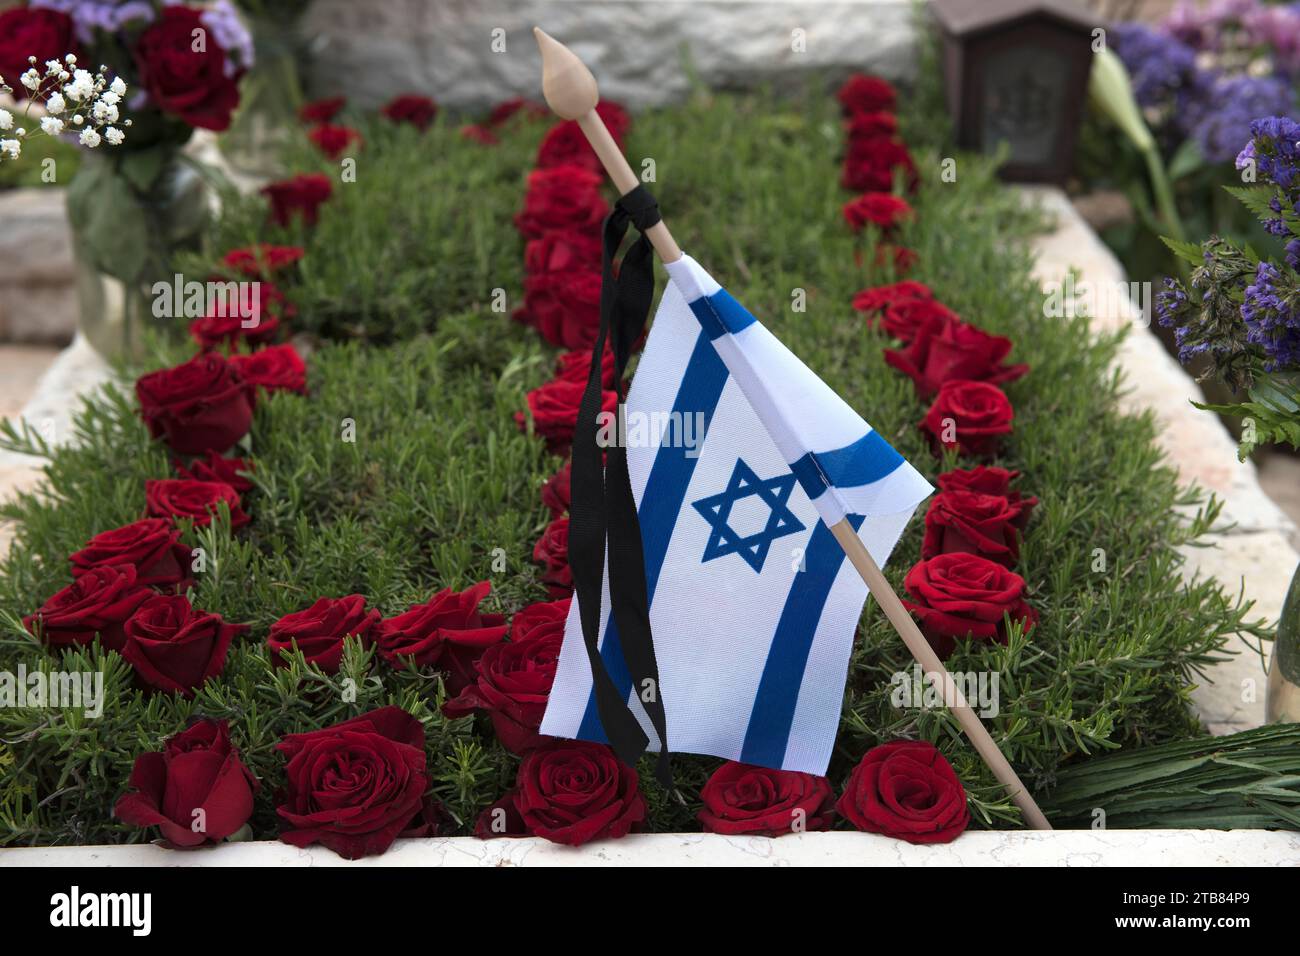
571, 92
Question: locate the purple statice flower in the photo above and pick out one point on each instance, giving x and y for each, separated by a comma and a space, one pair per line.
229, 30
107, 15
1275, 148
1207, 27
1293, 254
1158, 64
1218, 111
1278, 29
1271, 312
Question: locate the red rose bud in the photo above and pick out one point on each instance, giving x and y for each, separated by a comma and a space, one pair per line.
571, 792
514, 679
196, 500
555, 493
553, 409
967, 522
301, 196
565, 198
552, 552
217, 468
277, 368
40, 33
192, 83
333, 140
906, 789
356, 786
322, 110
943, 351
563, 252
199, 406
175, 648
196, 791
448, 633
96, 603
418, 111
904, 320
320, 630
987, 480
870, 165
885, 211
260, 261
151, 547
873, 125
965, 596
969, 416
866, 94
743, 799
564, 307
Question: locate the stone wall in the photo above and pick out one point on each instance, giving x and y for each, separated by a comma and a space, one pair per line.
38, 301
471, 54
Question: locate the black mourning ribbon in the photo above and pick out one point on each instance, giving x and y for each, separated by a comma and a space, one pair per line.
602, 510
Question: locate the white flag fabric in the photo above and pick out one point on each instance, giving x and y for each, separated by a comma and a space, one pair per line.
739, 458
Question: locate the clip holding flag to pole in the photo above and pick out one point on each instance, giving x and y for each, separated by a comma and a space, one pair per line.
720, 581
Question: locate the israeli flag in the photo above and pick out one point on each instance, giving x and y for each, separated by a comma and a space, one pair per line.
740, 459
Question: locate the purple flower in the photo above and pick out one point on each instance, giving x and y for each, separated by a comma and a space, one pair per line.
1219, 110
108, 15
1158, 64
229, 30
1271, 312
1275, 147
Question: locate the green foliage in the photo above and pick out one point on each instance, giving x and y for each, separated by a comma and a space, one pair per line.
440, 476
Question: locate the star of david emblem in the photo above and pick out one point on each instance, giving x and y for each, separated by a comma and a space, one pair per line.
771, 494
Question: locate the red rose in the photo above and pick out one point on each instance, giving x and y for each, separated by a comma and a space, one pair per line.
232, 319
899, 258
196, 500
942, 351
319, 631
570, 792
575, 366
566, 198
871, 125
322, 110
333, 140
24, 32
175, 648
196, 790
355, 786
478, 134
563, 252
885, 211
411, 108
566, 144
904, 320
968, 416
199, 406
516, 106
740, 798
217, 468
260, 260
906, 789
431, 820
552, 551
553, 409
277, 368
151, 546
972, 523
989, 481
301, 195
514, 679
965, 596
877, 298
866, 94
616, 119
564, 307
870, 165
555, 493
448, 633
97, 602
192, 84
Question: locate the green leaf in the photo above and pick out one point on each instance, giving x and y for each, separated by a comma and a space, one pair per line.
142, 167
1187, 251
1187, 159
109, 223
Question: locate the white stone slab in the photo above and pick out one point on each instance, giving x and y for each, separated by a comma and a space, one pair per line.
1095, 848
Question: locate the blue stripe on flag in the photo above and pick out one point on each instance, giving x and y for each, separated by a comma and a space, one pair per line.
778, 690
720, 313
665, 490
868, 459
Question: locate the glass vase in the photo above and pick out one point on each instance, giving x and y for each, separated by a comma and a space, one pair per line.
1282, 703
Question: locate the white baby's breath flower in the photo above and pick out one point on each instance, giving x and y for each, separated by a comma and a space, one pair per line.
78, 119
52, 67
88, 138
71, 58
109, 97
118, 87
81, 87
113, 136
104, 112
20, 132
11, 147
32, 80
51, 126
56, 103
6, 119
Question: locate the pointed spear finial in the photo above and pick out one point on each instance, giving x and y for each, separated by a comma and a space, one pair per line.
571, 92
